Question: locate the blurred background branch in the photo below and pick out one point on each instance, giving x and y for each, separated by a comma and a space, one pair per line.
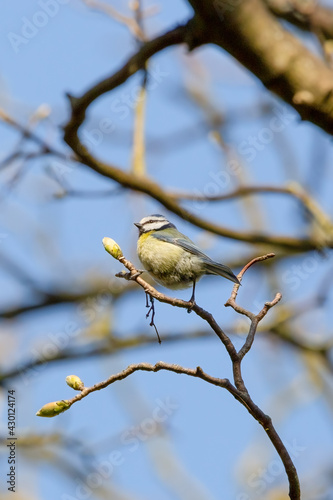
177, 126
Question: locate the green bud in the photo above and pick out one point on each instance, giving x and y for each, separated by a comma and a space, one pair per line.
75, 382
112, 248
53, 409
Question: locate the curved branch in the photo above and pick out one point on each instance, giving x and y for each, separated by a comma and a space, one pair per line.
137, 62
254, 318
150, 188
143, 184
276, 57
264, 420
293, 189
161, 365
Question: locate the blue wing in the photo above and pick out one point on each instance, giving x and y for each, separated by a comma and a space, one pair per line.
184, 243
211, 267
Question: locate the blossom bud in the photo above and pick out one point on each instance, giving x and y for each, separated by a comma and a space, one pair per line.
75, 382
112, 248
53, 409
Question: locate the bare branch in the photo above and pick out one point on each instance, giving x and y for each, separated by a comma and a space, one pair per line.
232, 300
47, 298
292, 189
255, 319
161, 365
111, 346
28, 133
129, 22
276, 57
239, 390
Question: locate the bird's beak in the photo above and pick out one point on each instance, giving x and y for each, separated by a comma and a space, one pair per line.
138, 225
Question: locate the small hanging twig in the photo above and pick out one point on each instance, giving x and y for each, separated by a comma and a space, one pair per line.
152, 311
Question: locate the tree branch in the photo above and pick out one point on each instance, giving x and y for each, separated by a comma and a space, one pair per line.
282, 63
239, 390
56, 297
27, 133
111, 346
293, 189
161, 297
144, 184
308, 16
137, 62
161, 365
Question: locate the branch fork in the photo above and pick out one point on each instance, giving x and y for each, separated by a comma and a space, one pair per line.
237, 389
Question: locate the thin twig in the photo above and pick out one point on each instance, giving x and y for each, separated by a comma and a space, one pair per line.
127, 21
28, 133
232, 300
193, 372
255, 318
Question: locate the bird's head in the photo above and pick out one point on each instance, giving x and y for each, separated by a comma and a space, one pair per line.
155, 222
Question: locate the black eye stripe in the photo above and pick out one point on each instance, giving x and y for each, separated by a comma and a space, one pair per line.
153, 220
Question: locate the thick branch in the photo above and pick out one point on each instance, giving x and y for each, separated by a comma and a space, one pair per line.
308, 16
283, 64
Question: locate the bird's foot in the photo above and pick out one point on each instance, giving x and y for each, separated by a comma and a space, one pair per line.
191, 305
192, 299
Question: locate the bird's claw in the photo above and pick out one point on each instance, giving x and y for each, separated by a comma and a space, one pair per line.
190, 307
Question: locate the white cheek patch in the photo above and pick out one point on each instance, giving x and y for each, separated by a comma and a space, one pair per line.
154, 226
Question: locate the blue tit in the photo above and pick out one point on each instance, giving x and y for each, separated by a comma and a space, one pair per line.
171, 258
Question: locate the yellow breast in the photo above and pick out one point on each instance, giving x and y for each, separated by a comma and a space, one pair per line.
157, 256
169, 264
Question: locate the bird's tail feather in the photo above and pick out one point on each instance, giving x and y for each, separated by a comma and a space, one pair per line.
225, 271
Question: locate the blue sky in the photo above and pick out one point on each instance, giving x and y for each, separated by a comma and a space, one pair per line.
207, 435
